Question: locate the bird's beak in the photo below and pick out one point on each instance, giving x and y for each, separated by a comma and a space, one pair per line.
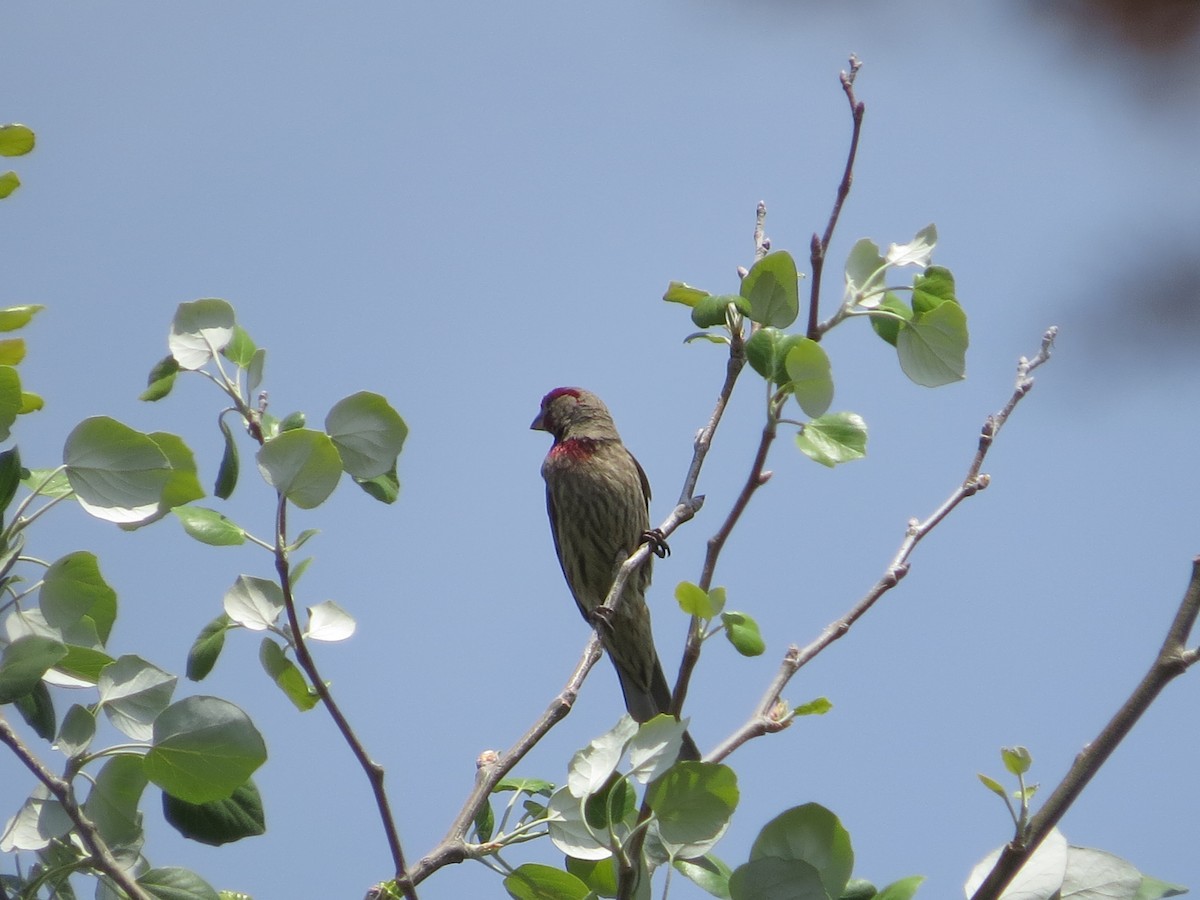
538, 424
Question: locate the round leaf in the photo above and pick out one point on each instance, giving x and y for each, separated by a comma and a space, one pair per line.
204, 749
16, 140
133, 692
329, 622
742, 631
834, 438
693, 803
24, 662
74, 588
367, 432
933, 346
772, 287
532, 881
210, 527
254, 603
117, 473
220, 821
303, 465
813, 834
200, 329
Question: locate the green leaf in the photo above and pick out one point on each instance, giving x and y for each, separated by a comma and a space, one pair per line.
204, 749
706, 336
200, 329
600, 875
532, 881
30, 402
10, 477
813, 834
118, 474
1153, 889
932, 288
710, 309
809, 372
591, 767
173, 883
693, 600
368, 434
707, 872
287, 676
207, 647
73, 589
933, 346
858, 889
772, 878
77, 731
742, 631
9, 182
292, 421
132, 693
385, 488
113, 801
254, 370
772, 287
834, 438
39, 821
302, 465
219, 821
161, 379
865, 269
254, 603
678, 292
37, 709
14, 317
888, 327
210, 527
15, 140
1016, 759
693, 803
12, 351
992, 785
49, 483
84, 663
655, 747
762, 351
485, 823
817, 707
183, 484
24, 662
227, 474
904, 889
240, 349
10, 400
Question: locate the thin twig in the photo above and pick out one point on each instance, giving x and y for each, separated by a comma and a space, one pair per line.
820, 243
1173, 660
372, 769
769, 716
102, 858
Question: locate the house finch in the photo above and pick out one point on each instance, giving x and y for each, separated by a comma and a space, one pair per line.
599, 504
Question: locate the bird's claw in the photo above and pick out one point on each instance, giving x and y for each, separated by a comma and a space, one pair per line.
657, 541
602, 619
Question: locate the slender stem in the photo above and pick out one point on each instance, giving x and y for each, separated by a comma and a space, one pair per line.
820, 244
771, 714
1173, 660
102, 858
373, 770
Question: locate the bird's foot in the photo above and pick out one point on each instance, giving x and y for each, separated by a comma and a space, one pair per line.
602, 620
657, 541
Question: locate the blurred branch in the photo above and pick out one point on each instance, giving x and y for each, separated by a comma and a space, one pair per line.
770, 715
820, 243
102, 859
1174, 658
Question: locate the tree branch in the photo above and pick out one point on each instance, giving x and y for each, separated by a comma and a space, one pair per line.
1172, 661
372, 769
770, 715
820, 244
102, 858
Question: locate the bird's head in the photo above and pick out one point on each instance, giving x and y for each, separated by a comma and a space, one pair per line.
571, 412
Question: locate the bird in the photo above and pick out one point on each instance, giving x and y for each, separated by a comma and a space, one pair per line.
598, 500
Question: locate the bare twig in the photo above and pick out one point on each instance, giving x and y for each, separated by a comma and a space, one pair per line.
1174, 658
768, 716
102, 859
820, 243
372, 769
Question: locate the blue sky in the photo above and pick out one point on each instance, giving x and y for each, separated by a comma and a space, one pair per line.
463, 207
